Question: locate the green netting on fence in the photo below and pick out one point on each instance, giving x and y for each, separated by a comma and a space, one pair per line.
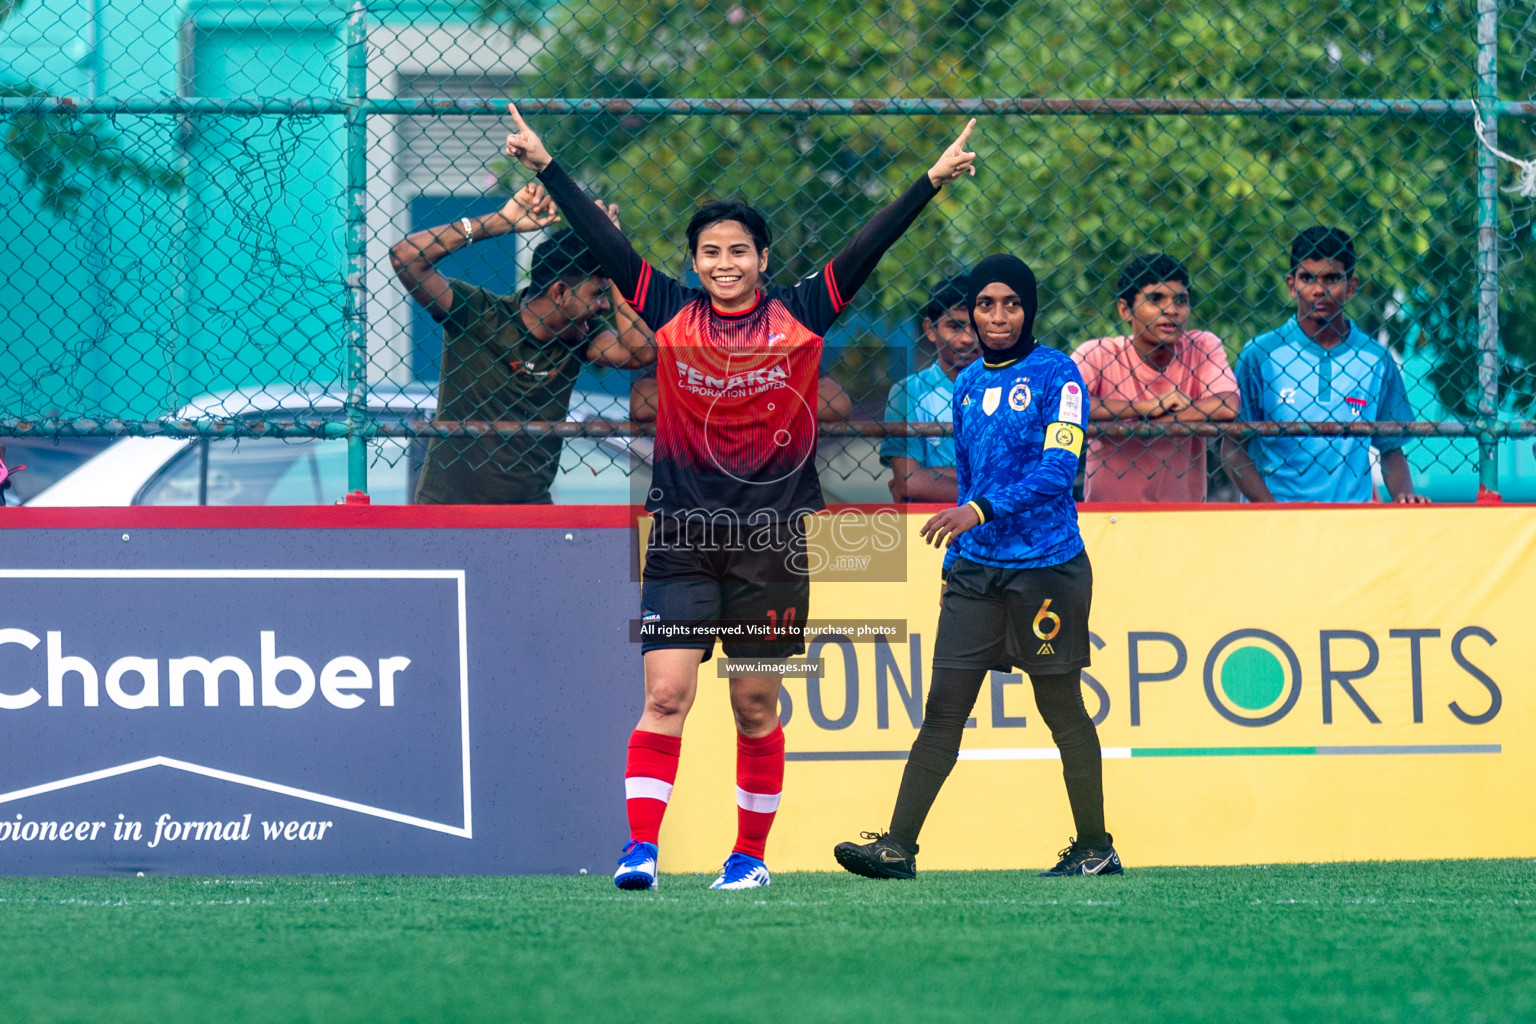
231, 226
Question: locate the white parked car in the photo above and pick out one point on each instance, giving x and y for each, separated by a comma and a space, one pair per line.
310, 471
313, 471
44, 461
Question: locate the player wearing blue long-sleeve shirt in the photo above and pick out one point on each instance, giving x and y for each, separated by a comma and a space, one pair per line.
1018, 584
1013, 469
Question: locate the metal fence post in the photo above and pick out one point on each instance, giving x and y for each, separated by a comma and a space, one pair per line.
357, 246
1488, 241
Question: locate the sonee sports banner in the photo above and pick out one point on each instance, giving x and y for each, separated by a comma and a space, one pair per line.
1269, 685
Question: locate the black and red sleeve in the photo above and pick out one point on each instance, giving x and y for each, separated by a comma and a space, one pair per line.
655, 296
820, 298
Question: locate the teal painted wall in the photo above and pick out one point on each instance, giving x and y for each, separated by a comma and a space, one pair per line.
87, 330
137, 300
265, 203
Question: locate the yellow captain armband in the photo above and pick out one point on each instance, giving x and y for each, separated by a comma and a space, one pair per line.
1065, 435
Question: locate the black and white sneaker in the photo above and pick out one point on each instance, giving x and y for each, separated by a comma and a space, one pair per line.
1078, 859
882, 857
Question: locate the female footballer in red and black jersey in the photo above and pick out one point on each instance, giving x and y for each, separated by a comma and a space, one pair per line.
733, 474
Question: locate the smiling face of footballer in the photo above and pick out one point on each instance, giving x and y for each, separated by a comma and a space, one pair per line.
999, 316
730, 265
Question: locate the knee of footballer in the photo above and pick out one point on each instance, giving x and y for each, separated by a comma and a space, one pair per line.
1072, 732
756, 714
941, 719
663, 701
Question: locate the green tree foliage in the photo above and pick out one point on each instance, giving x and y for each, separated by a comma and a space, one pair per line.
61, 154
1075, 195
818, 177
1229, 192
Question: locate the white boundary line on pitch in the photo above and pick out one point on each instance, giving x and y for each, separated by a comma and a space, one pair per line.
457, 575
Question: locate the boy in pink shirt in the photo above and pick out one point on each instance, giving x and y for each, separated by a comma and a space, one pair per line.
1159, 373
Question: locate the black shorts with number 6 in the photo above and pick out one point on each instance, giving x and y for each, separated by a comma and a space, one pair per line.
702, 571
1032, 619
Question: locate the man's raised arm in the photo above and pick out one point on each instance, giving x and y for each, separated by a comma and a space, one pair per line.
415, 258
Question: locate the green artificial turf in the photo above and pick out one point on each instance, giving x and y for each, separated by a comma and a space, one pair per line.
1441, 941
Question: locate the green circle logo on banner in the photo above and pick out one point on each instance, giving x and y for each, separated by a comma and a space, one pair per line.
1252, 678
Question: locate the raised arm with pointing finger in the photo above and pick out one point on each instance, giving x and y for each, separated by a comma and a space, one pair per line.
849, 270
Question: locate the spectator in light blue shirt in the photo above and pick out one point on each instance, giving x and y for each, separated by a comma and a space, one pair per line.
923, 468
1320, 367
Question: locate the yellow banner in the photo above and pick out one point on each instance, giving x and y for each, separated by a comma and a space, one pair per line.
1270, 685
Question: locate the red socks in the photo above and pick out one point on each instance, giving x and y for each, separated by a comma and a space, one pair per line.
759, 783
651, 769
649, 773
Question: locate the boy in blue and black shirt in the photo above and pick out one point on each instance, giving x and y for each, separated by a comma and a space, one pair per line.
1018, 584
1320, 367
923, 468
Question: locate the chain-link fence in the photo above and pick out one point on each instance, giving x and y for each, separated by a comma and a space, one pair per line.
272, 251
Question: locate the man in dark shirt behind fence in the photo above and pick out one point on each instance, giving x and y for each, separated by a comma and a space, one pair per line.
512, 357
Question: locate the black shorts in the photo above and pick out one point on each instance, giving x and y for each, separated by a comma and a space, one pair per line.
1032, 619
698, 571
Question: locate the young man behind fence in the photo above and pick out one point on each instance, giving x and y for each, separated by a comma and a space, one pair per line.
923, 468
1319, 366
1161, 372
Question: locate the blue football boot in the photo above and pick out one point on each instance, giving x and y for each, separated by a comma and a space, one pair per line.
741, 872
637, 866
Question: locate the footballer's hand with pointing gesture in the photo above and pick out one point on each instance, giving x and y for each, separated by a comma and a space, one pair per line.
525, 146
955, 161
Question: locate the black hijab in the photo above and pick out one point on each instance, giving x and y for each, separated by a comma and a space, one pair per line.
1013, 272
